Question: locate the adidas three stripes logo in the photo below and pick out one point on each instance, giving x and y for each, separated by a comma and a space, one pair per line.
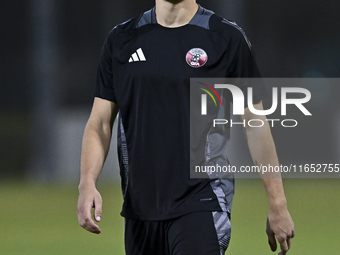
137, 56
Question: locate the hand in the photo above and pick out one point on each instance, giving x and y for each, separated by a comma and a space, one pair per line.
89, 198
281, 225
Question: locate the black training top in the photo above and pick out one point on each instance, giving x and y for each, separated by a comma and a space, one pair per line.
145, 69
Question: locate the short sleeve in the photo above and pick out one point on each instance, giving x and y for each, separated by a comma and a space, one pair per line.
243, 67
104, 83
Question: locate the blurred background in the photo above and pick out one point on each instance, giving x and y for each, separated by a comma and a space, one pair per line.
49, 53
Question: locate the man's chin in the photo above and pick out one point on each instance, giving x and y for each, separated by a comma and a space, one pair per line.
174, 1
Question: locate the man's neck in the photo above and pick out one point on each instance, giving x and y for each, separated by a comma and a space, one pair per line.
172, 13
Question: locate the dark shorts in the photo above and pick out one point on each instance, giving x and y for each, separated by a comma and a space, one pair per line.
199, 233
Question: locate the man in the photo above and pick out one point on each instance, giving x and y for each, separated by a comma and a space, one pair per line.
145, 68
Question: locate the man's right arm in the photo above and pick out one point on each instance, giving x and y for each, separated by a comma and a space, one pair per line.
95, 147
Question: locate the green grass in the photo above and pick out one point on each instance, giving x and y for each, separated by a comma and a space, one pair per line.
41, 219
315, 208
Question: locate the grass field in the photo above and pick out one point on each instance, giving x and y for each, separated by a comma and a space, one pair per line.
41, 219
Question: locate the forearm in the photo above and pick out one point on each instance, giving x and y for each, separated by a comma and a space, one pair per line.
263, 152
95, 147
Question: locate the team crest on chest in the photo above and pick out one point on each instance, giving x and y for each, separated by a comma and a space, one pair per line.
196, 57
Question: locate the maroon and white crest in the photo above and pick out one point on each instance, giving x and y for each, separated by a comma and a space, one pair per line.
196, 57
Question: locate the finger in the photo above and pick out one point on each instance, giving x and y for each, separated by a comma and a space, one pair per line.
293, 233
271, 237
289, 242
90, 226
98, 210
282, 252
272, 242
284, 247
86, 221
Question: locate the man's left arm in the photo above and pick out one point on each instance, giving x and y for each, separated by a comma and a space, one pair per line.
263, 152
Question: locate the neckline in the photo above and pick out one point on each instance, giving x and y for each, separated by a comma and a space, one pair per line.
195, 19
